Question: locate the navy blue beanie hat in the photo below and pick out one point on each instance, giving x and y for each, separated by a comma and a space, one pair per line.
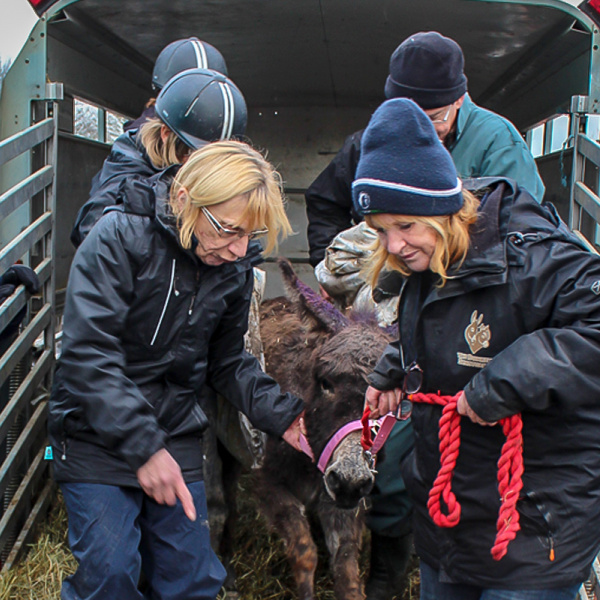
427, 68
403, 167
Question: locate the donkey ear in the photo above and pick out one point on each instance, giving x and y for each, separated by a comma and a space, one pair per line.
312, 308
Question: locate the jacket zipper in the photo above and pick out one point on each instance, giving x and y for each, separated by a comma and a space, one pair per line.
164, 310
191, 308
548, 522
400, 321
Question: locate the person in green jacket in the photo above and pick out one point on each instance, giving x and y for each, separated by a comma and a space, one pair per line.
427, 68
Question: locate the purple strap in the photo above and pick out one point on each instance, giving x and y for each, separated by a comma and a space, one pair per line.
385, 427
306, 447
332, 444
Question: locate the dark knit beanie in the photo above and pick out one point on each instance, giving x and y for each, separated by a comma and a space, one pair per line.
403, 167
429, 69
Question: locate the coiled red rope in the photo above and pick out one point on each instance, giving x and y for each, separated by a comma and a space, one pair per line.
510, 472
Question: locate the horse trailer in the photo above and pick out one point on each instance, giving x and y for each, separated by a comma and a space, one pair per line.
312, 72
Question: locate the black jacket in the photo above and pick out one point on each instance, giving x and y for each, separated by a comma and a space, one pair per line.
146, 324
518, 328
148, 113
329, 199
126, 159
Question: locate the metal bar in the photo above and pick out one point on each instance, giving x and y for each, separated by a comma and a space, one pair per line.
561, 5
578, 165
49, 289
596, 576
589, 148
25, 140
582, 594
23, 243
24, 342
18, 503
38, 512
19, 451
24, 190
25, 392
587, 199
594, 79
11, 307
44, 270
585, 241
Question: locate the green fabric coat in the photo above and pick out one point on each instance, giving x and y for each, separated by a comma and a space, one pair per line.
489, 145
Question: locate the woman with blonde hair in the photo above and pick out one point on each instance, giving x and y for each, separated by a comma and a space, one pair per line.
157, 306
499, 346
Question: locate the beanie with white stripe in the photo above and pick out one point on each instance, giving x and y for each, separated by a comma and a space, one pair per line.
403, 167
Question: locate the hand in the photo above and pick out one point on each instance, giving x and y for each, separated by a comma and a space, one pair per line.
463, 408
161, 478
292, 435
381, 403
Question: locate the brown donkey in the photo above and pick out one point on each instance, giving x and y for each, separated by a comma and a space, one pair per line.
314, 351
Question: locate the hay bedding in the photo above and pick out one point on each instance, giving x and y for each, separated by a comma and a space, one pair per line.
259, 562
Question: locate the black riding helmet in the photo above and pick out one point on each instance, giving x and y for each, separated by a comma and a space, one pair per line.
201, 106
190, 53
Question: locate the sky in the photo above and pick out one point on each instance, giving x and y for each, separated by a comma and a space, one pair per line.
16, 23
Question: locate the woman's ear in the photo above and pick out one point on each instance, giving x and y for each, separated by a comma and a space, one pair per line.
164, 133
182, 196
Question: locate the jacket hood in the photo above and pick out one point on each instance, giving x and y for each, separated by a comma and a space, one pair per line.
507, 212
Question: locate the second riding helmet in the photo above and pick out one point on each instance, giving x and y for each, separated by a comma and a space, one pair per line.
201, 106
190, 53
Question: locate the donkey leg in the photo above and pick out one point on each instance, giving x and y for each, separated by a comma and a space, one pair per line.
343, 530
286, 516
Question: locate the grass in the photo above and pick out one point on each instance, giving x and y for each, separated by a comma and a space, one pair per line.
259, 562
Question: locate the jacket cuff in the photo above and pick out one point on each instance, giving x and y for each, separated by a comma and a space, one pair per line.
380, 382
478, 402
140, 448
297, 406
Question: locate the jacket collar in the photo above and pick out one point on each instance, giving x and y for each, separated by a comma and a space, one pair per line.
464, 112
486, 263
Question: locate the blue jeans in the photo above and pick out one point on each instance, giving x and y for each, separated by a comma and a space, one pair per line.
433, 589
114, 532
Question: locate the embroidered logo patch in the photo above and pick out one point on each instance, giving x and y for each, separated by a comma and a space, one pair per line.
478, 336
596, 287
364, 200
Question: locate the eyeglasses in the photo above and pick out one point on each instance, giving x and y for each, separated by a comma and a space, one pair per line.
233, 233
444, 119
411, 385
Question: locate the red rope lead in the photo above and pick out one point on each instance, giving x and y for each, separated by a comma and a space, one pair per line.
510, 471
366, 438
510, 483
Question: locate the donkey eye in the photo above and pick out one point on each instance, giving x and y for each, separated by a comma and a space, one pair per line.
326, 385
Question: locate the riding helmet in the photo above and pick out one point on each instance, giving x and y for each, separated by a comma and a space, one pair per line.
190, 53
201, 106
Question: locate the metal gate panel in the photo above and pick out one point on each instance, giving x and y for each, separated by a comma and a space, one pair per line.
27, 356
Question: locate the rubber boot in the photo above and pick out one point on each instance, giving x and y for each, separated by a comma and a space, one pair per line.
387, 574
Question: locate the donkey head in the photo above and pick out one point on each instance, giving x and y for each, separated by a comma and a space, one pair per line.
340, 352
